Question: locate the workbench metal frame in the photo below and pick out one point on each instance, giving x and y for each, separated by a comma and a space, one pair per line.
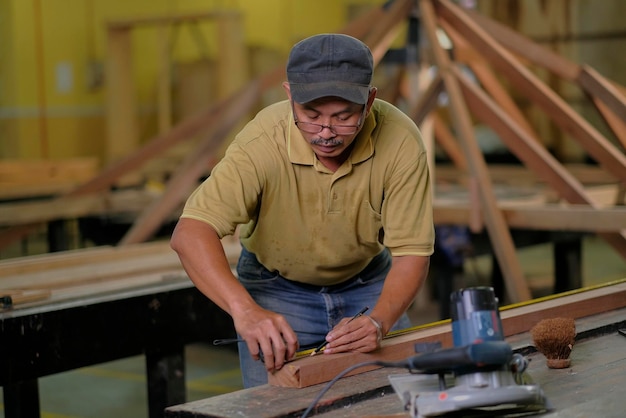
155, 320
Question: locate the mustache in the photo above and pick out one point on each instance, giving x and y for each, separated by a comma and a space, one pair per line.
326, 142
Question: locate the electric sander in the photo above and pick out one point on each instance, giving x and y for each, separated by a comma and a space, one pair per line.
479, 376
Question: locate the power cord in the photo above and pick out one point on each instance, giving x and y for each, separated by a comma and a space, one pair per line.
403, 364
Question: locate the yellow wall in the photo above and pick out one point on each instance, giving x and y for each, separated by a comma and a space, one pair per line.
53, 91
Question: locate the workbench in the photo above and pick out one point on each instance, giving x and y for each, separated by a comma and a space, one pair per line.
594, 385
102, 305
156, 320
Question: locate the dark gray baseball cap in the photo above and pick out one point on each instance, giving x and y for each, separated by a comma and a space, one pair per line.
330, 65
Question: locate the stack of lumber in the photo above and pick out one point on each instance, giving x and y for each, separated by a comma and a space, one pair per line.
50, 278
31, 178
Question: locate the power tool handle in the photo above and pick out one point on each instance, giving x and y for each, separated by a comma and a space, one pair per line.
479, 354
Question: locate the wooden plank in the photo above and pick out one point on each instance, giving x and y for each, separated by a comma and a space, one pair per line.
380, 36
529, 85
449, 144
516, 286
598, 86
529, 151
232, 64
534, 156
427, 101
83, 259
526, 48
518, 174
24, 171
29, 178
9, 298
617, 125
95, 271
481, 70
364, 23
129, 202
321, 368
518, 318
122, 130
164, 80
515, 319
602, 92
190, 126
549, 217
185, 179
22, 191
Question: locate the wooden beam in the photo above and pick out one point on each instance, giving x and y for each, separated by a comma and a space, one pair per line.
526, 48
164, 80
232, 64
123, 201
485, 75
617, 125
381, 35
529, 85
185, 179
562, 67
597, 86
608, 99
516, 319
530, 152
534, 156
122, 131
449, 145
576, 218
518, 174
427, 101
17, 270
321, 368
107, 177
516, 286
21, 178
540, 216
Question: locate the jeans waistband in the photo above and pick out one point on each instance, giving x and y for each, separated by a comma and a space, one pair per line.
378, 264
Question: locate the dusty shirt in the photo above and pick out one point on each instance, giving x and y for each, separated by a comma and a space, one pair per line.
312, 225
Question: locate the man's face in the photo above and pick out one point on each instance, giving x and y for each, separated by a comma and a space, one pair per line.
330, 124
338, 122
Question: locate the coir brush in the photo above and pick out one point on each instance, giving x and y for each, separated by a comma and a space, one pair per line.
554, 338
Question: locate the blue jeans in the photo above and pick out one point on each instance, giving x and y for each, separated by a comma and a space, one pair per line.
312, 311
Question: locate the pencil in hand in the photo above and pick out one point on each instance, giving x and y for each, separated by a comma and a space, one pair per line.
322, 345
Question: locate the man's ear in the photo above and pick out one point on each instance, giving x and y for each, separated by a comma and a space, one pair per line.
287, 88
370, 99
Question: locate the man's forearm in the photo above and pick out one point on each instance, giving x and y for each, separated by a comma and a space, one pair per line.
202, 256
405, 279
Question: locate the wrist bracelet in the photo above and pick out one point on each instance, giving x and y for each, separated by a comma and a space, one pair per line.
379, 330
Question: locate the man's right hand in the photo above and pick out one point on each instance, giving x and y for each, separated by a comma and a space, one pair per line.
268, 335
202, 255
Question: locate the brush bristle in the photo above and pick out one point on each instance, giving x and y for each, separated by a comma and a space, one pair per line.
554, 338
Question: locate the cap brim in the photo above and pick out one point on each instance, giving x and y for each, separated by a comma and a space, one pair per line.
307, 92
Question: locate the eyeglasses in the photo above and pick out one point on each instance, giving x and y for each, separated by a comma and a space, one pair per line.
316, 128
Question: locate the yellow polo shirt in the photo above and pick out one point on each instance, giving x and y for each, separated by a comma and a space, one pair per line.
312, 225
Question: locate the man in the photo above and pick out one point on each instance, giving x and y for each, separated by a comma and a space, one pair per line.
333, 191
